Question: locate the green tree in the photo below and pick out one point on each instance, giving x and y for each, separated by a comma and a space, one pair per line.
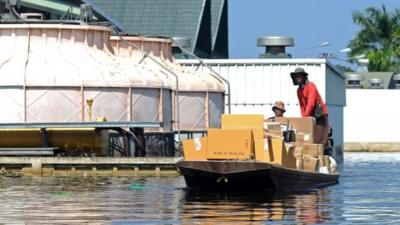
378, 39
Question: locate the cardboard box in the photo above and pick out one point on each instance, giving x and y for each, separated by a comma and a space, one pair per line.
274, 134
301, 125
310, 163
290, 159
195, 149
304, 138
298, 152
282, 153
278, 151
229, 144
258, 133
299, 163
273, 126
242, 121
313, 149
254, 122
262, 149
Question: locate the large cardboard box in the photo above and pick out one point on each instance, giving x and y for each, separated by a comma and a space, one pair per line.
258, 133
313, 149
195, 149
283, 153
278, 151
254, 122
272, 125
300, 124
304, 138
262, 149
274, 134
242, 121
290, 160
229, 144
300, 163
310, 163
298, 152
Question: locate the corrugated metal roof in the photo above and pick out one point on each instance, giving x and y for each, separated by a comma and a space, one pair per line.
216, 12
156, 17
171, 18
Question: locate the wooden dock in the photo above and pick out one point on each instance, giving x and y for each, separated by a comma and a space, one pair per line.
88, 166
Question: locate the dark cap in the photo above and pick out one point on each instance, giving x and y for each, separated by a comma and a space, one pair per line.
299, 70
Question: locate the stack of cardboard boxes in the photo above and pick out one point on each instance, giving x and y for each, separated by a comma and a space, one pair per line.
309, 155
245, 137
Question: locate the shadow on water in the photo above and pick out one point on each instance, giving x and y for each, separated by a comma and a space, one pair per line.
308, 207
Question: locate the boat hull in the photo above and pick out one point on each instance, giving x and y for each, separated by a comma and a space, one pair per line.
250, 175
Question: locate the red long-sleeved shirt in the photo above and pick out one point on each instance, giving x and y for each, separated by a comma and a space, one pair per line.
308, 98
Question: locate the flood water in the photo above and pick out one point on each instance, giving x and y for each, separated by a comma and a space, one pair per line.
368, 193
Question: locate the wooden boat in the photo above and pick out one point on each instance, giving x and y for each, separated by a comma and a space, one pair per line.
246, 175
241, 155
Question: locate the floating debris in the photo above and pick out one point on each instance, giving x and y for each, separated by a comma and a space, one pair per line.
137, 187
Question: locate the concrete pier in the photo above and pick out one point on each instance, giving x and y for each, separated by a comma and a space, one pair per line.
372, 146
94, 166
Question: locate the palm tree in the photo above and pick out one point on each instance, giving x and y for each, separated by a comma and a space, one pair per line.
378, 39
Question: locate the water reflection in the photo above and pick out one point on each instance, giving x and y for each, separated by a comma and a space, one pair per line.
303, 207
368, 193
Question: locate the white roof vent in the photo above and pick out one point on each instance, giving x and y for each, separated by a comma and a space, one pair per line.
275, 46
362, 65
396, 80
354, 81
375, 83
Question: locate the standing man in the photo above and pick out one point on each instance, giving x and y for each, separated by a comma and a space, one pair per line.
312, 105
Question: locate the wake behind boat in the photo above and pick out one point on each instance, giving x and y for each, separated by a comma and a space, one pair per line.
237, 156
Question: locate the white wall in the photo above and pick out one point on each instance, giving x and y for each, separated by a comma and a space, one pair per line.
264, 81
372, 116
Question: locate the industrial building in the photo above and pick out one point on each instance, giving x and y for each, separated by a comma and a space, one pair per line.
140, 74
60, 77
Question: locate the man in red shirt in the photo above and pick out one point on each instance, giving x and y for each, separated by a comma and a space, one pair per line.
312, 105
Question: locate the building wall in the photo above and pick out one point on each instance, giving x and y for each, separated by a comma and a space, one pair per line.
372, 118
335, 88
263, 81
337, 125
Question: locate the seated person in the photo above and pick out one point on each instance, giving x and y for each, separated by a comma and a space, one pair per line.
278, 109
